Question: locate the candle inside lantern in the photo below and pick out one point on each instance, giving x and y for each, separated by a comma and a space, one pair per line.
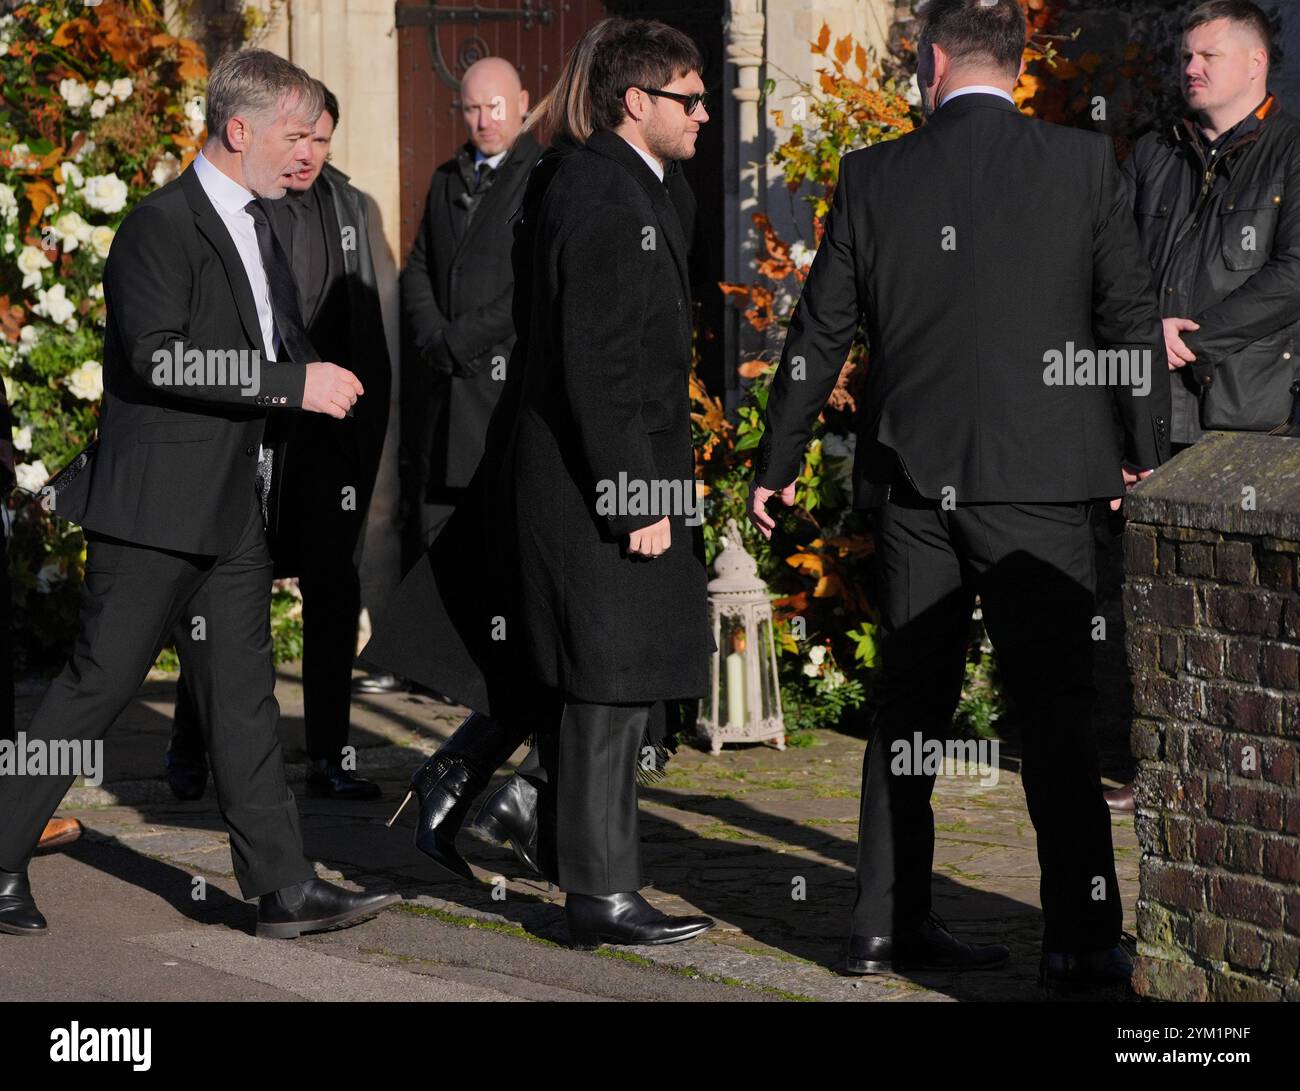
736, 680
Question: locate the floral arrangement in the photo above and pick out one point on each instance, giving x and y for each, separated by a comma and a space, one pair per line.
99, 105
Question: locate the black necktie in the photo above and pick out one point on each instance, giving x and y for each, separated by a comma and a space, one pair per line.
284, 291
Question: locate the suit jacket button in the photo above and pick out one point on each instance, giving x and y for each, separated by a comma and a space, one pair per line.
679, 304
1207, 380
250, 450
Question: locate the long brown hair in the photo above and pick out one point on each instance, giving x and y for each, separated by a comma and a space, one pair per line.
565, 110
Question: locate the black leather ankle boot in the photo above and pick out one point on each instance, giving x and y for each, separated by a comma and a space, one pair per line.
510, 814
448, 783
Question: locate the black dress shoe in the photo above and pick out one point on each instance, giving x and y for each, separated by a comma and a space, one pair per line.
510, 814
625, 918
18, 913
315, 906
187, 776
329, 780
1086, 969
930, 947
449, 782
379, 683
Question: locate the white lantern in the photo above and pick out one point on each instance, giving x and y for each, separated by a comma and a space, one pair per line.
745, 699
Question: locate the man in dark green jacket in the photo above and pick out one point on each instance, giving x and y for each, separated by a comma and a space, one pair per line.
1217, 202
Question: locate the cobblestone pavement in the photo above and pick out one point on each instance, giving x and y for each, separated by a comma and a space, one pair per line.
763, 841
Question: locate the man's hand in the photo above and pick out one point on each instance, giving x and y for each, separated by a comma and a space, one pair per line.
1132, 475
330, 389
1179, 354
651, 541
758, 498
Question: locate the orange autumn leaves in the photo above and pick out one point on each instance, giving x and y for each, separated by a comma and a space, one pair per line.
128, 38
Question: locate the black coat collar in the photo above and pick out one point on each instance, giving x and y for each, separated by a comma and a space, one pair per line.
522, 155
976, 100
612, 146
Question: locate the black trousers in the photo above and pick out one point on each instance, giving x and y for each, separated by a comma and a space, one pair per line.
1033, 566
331, 604
133, 598
589, 839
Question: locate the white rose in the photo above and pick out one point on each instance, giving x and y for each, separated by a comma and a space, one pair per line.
31, 261
72, 174
55, 305
31, 475
122, 89
105, 193
71, 228
101, 238
8, 204
87, 381
913, 91
100, 106
23, 438
9, 244
166, 169
817, 654
87, 146
103, 87
811, 670
75, 93
196, 113
801, 254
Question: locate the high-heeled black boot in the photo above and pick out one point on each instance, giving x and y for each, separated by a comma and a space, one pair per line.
510, 814
448, 783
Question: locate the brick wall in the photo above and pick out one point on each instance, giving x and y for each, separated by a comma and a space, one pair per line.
1212, 606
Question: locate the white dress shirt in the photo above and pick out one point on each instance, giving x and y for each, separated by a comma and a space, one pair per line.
493, 161
228, 197
977, 89
650, 160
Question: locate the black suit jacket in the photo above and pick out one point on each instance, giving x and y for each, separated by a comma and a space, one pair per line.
972, 249
174, 466
459, 283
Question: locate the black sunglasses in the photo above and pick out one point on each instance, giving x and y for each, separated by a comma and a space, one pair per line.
689, 102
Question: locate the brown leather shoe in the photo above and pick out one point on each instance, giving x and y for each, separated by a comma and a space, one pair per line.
1120, 800
58, 832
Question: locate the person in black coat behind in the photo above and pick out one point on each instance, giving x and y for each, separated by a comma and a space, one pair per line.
326, 470
981, 458
457, 295
589, 614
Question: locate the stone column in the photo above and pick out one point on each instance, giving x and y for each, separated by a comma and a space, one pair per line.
1213, 611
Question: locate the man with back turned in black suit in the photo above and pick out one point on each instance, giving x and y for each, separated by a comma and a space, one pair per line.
328, 470
203, 337
986, 434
